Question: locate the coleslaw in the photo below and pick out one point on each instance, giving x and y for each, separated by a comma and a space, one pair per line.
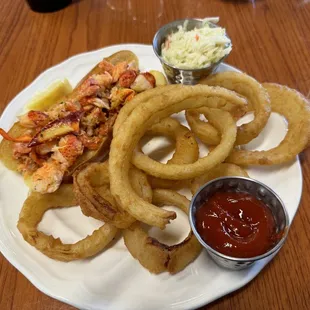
197, 48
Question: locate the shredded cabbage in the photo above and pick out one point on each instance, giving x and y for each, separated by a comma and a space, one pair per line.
196, 48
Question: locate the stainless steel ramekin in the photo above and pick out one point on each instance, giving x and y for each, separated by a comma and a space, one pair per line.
256, 189
176, 75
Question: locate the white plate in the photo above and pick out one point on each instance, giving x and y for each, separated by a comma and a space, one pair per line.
113, 279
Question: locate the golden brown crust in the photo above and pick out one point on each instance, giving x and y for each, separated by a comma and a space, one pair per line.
6, 147
254, 92
186, 149
31, 214
92, 189
295, 108
156, 256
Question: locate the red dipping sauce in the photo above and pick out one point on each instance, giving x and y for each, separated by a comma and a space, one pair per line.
236, 224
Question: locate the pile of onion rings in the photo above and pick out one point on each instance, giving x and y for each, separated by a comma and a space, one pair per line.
137, 123
127, 190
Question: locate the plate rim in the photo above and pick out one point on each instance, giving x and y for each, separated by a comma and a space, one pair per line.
31, 276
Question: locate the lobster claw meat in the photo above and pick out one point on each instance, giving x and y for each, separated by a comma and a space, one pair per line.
57, 128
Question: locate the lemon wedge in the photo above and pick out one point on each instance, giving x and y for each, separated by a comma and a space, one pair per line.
41, 101
159, 78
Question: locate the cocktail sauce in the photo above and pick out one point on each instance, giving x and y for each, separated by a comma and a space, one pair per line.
236, 224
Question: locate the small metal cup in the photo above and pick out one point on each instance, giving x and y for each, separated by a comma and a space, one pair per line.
176, 75
254, 188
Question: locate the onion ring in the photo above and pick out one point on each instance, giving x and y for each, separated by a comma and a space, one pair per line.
257, 98
295, 108
186, 149
235, 110
221, 170
31, 214
203, 130
92, 190
224, 122
158, 257
130, 132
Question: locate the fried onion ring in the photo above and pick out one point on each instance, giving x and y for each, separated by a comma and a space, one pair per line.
92, 190
258, 101
158, 257
221, 170
236, 110
207, 133
31, 214
133, 128
295, 108
221, 120
186, 149
203, 130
